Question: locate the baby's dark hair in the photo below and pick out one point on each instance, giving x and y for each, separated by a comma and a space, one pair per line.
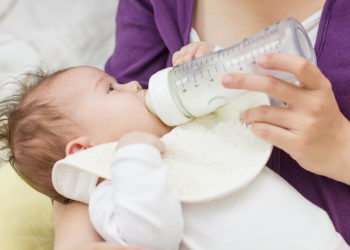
34, 130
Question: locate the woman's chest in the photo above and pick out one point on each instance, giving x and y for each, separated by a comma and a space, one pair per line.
226, 22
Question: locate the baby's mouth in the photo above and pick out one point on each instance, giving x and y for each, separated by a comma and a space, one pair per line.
142, 92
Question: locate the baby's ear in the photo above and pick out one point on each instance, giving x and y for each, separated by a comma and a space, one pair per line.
77, 145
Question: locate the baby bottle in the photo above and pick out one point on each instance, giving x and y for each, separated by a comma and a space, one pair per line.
178, 94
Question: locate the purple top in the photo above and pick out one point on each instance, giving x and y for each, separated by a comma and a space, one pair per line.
150, 31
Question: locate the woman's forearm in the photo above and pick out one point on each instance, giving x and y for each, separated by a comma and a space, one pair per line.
73, 230
342, 157
72, 226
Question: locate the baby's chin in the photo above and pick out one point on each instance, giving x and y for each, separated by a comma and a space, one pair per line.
161, 127
164, 129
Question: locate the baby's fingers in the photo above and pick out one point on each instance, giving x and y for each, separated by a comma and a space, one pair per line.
192, 50
185, 54
176, 57
141, 137
160, 146
204, 49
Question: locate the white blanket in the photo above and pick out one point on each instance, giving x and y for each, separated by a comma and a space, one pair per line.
54, 34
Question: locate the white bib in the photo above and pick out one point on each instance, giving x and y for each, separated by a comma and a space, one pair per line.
208, 158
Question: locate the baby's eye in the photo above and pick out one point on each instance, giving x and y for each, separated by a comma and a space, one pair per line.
110, 88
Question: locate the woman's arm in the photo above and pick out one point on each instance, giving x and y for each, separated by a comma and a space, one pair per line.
73, 229
140, 51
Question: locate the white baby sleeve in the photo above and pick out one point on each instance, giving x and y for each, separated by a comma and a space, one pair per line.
139, 207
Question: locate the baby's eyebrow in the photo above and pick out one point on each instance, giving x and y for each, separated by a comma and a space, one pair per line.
99, 82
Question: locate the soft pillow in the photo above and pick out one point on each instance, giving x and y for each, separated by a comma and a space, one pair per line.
26, 219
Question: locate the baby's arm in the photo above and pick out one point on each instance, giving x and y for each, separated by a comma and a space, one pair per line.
139, 207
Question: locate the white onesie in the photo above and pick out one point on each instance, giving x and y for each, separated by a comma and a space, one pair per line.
139, 207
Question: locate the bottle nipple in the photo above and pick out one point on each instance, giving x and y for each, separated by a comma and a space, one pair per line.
149, 104
159, 99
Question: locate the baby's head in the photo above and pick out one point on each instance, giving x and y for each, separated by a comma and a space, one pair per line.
66, 112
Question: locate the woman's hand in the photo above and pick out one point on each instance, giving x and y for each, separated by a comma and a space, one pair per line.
311, 127
192, 50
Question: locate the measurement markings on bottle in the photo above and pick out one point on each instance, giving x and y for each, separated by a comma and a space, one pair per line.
183, 85
210, 77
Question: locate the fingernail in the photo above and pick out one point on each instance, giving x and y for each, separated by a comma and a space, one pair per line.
227, 80
242, 115
262, 59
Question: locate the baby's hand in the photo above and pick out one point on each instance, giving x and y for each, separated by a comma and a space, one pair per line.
141, 137
192, 50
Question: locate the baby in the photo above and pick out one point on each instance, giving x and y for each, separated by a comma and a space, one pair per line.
81, 107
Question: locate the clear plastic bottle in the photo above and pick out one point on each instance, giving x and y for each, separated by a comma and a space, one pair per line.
177, 95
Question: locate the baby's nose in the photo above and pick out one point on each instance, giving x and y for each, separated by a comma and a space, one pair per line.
134, 86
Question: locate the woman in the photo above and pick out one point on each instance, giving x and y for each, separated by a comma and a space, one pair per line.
313, 130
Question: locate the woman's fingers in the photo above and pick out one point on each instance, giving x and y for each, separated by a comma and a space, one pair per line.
175, 58
311, 128
278, 116
283, 91
277, 136
305, 71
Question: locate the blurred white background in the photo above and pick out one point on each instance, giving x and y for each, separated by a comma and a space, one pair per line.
54, 34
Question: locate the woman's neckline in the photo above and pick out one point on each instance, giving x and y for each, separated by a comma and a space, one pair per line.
308, 22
